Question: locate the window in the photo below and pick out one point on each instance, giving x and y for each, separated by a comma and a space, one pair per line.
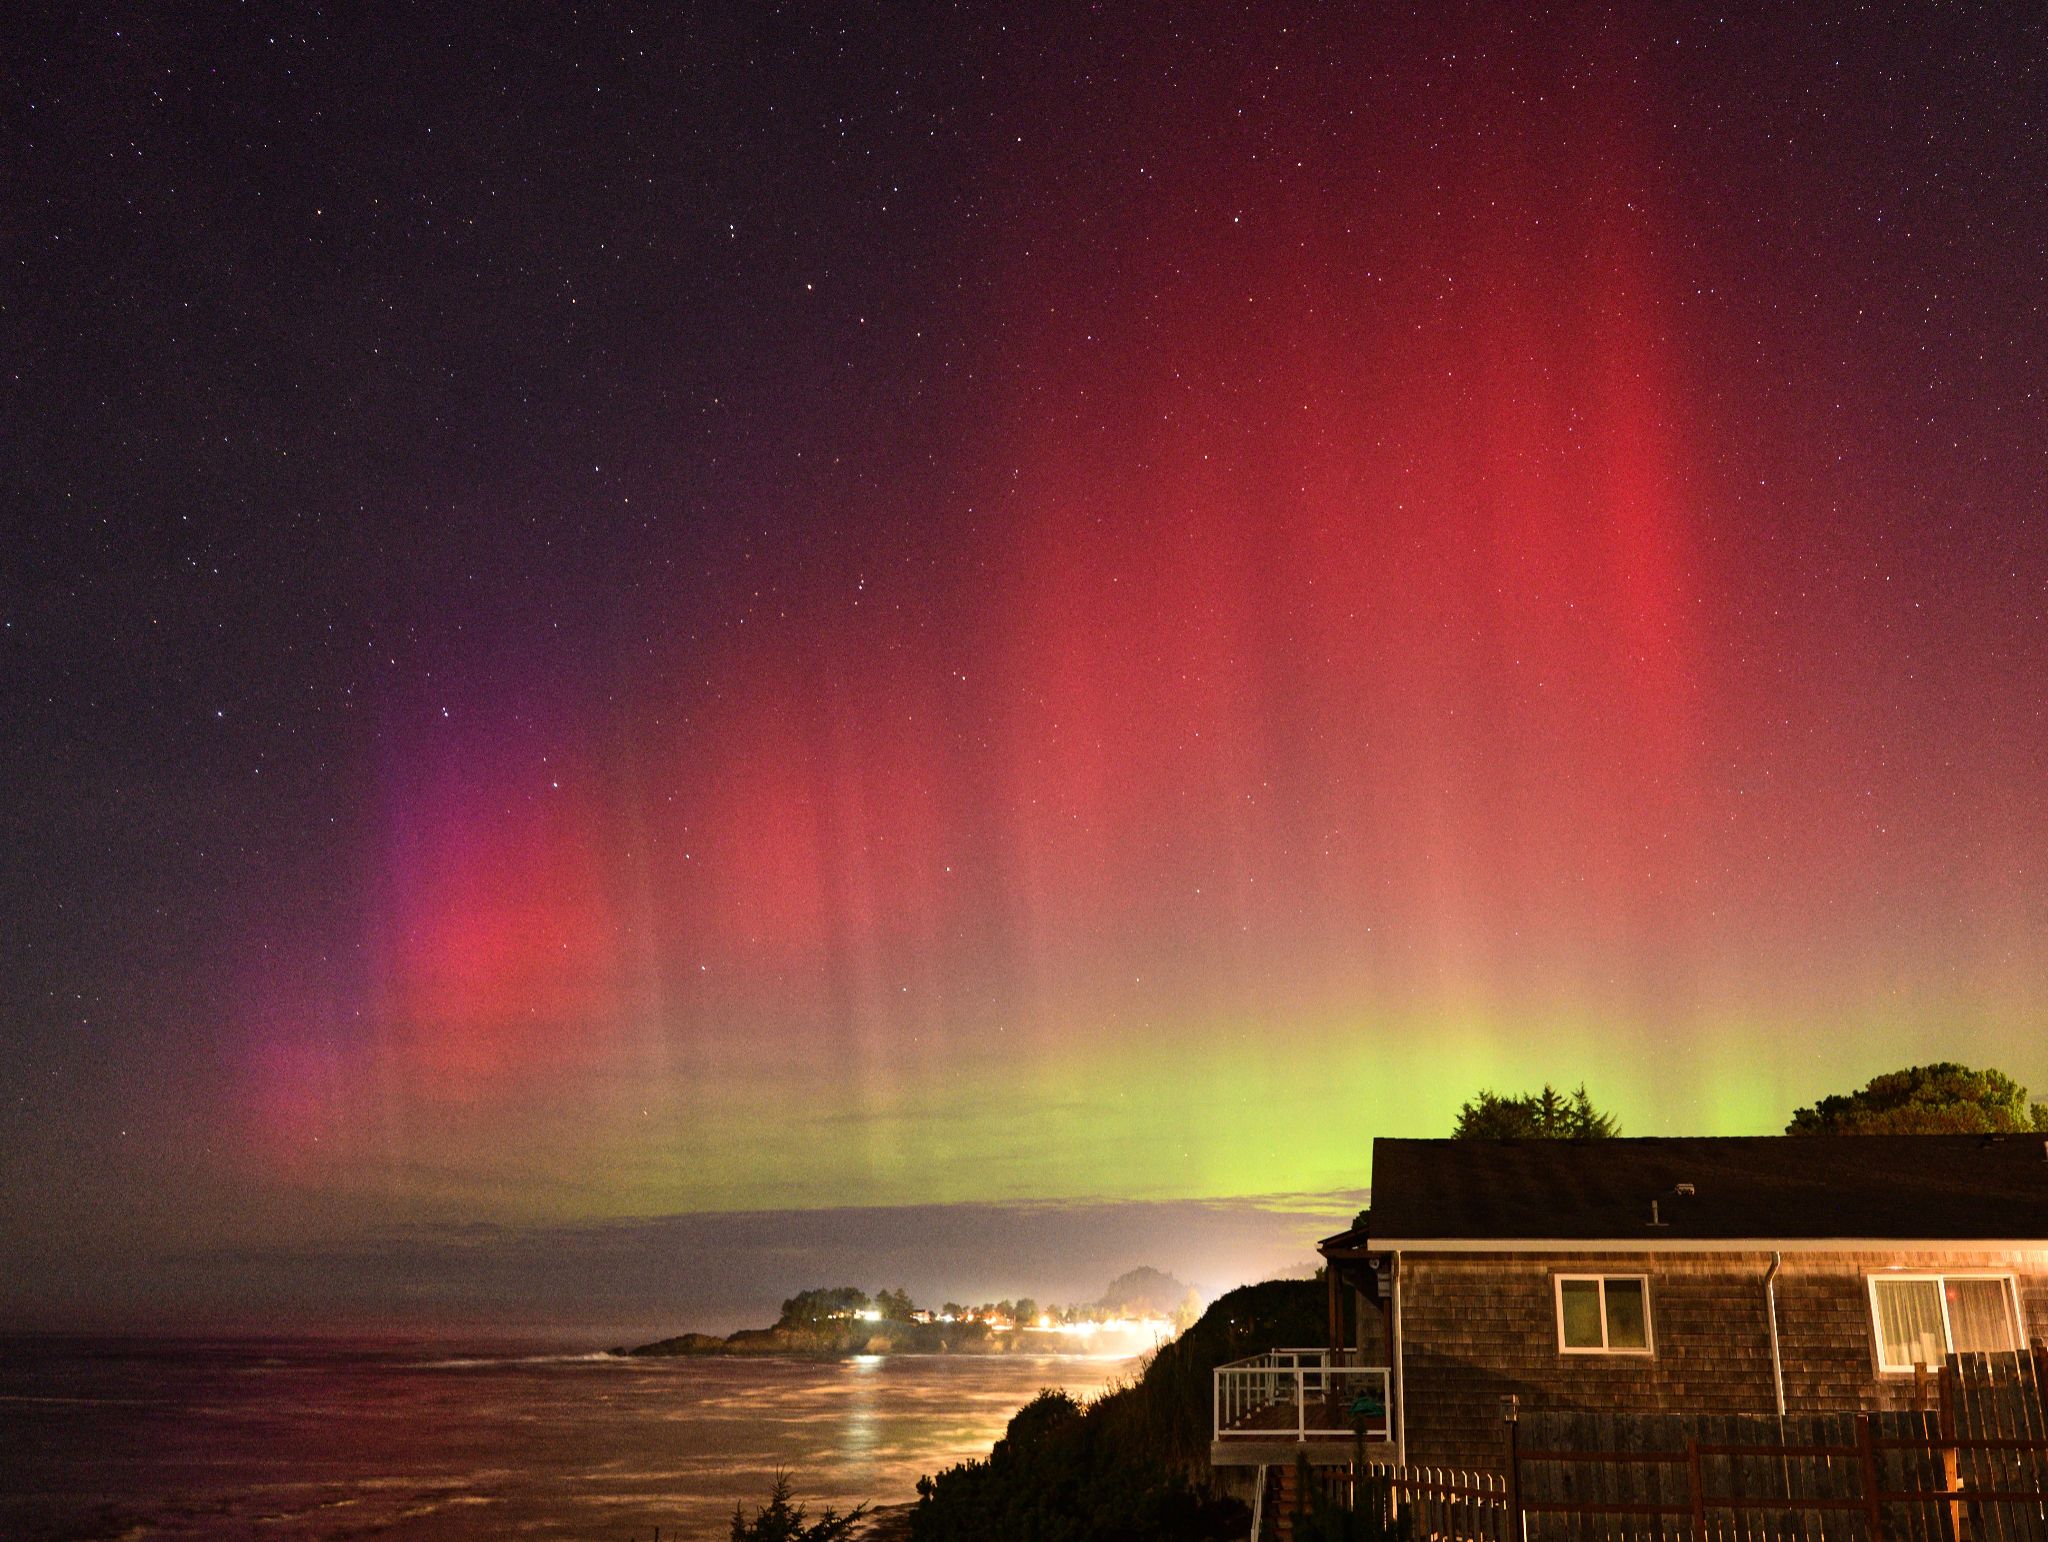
1603, 1314
1921, 1318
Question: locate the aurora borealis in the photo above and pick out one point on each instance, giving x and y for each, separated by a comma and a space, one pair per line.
710, 612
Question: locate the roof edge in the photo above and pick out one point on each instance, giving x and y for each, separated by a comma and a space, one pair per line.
1708, 1244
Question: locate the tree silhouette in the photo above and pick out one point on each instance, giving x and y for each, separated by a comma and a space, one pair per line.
781, 1521
1939, 1099
1544, 1115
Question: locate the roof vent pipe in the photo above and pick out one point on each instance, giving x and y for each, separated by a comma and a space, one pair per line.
1655, 1218
1777, 1364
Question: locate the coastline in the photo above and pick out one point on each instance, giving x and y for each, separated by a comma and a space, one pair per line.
891, 1339
888, 1523
291, 1437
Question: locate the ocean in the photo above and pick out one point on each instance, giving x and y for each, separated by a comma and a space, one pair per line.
294, 1439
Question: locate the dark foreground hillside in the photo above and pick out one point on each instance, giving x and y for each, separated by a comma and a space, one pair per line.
1131, 1466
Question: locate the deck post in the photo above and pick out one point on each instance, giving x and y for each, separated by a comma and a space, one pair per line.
1511, 1464
1945, 1422
1698, 1489
1396, 1348
1866, 1457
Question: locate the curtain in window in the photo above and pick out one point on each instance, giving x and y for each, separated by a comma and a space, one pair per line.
1909, 1322
1628, 1315
1980, 1317
1580, 1300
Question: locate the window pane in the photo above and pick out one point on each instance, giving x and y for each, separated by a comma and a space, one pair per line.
1628, 1317
1980, 1317
1909, 1322
1580, 1300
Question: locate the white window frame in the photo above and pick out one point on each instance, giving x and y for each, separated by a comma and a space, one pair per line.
1940, 1277
1557, 1285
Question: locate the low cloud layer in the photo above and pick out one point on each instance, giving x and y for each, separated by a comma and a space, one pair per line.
701, 1271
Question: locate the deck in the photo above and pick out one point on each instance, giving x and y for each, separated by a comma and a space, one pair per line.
1319, 1403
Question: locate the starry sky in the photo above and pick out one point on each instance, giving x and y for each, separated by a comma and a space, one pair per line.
975, 638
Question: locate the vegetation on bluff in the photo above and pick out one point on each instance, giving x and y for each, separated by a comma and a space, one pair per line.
830, 1338
782, 1521
1133, 1464
845, 1320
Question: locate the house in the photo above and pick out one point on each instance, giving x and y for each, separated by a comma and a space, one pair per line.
1786, 1275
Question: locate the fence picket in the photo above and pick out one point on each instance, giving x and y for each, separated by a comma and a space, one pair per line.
2032, 1380
1445, 1504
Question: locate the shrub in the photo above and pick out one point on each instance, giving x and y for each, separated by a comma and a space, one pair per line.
1132, 1466
1320, 1516
781, 1521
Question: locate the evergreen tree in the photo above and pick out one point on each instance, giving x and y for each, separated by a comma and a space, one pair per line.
1544, 1115
895, 1305
781, 1521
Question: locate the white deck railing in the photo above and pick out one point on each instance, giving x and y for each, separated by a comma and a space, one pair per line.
1303, 1394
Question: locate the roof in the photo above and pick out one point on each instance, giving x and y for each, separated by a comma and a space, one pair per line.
1814, 1189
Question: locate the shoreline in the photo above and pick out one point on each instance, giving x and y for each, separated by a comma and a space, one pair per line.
785, 1344
887, 1523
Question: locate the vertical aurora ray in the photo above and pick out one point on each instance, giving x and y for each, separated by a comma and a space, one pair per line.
1330, 678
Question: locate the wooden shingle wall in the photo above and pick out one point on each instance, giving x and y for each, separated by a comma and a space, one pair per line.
1481, 1326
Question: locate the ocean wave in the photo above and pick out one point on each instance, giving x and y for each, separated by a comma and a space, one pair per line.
485, 1362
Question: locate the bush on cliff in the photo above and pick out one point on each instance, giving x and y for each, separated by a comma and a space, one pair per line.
1131, 1466
781, 1521
1177, 1386
1061, 1475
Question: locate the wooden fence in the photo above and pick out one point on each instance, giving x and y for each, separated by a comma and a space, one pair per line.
1968, 1464
1973, 1467
1443, 1504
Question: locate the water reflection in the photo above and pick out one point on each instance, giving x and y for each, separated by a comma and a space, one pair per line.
300, 1441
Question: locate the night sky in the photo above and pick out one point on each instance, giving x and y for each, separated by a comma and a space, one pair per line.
800, 637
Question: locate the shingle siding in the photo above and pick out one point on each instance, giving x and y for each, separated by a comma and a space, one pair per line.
1480, 1326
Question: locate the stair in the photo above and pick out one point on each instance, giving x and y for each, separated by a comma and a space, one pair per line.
1276, 1512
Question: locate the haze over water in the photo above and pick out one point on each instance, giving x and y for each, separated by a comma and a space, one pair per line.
300, 1439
